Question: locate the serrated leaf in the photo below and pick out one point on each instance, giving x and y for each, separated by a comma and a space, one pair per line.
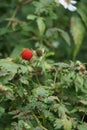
58, 124
8, 65
9, 95
79, 82
51, 99
41, 25
84, 102
40, 92
82, 127
3, 88
62, 111
67, 124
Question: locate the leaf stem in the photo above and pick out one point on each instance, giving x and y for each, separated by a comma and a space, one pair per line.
38, 122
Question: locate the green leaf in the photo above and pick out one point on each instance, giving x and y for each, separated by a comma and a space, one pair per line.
9, 65
58, 124
56, 1
77, 32
9, 95
67, 124
24, 80
62, 111
2, 110
65, 36
84, 102
27, 126
40, 91
51, 99
41, 25
82, 10
3, 88
82, 127
79, 81
3, 31
16, 52
31, 17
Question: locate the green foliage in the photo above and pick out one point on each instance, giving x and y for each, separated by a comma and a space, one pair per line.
45, 24
42, 95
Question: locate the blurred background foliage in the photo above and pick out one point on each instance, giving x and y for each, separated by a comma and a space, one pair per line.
43, 24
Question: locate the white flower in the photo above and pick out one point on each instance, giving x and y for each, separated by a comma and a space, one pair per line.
68, 4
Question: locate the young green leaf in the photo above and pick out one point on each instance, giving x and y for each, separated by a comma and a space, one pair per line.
77, 31
41, 25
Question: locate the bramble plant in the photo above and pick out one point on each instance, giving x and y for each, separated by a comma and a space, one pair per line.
42, 95
43, 82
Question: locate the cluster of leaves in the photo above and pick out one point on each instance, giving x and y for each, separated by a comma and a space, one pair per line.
42, 95
32, 23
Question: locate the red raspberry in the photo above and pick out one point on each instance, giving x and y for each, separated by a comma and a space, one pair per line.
27, 54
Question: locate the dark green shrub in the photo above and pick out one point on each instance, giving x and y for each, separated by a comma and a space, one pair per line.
42, 95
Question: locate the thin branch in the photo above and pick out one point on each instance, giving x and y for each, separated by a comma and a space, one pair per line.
17, 9
38, 122
26, 2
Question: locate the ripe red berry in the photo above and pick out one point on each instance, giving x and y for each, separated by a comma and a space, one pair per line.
27, 54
